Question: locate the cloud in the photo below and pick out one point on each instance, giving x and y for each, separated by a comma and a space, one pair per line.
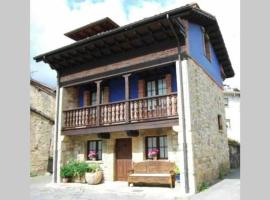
50, 19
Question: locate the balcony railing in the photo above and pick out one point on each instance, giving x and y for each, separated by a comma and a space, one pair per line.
130, 111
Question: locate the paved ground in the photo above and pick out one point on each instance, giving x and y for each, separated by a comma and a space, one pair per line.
42, 189
227, 189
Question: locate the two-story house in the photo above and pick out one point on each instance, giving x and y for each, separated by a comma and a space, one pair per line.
155, 83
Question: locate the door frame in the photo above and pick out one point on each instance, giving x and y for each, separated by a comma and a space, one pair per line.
115, 157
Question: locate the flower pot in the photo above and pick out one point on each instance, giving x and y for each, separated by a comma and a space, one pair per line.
78, 179
93, 178
93, 159
177, 178
65, 180
154, 157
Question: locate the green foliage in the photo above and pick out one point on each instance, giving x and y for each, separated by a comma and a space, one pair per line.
66, 171
203, 186
222, 172
93, 168
74, 169
176, 170
33, 174
233, 142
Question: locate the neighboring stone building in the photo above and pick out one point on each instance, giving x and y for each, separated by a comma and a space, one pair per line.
155, 83
232, 110
42, 112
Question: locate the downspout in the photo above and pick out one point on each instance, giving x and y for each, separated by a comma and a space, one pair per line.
55, 159
182, 106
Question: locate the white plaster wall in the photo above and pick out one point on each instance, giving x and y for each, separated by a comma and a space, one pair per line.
233, 113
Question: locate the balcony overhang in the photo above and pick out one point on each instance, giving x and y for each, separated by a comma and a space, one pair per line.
165, 123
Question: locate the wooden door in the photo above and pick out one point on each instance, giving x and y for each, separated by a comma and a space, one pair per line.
123, 152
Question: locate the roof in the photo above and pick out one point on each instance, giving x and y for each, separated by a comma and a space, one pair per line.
137, 35
91, 29
43, 87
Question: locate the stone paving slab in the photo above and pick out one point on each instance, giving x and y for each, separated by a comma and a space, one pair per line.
42, 189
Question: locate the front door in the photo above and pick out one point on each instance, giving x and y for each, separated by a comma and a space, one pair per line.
123, 152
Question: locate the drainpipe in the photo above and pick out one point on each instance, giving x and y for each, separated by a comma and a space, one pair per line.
182, 106
55, 158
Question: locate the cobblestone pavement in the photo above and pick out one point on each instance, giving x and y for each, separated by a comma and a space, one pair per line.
42, 189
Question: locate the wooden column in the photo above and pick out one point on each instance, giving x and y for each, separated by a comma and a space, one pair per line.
98, 83
127, 115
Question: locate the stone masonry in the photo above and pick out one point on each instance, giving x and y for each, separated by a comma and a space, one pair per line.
42, 104
210, 145
75, 147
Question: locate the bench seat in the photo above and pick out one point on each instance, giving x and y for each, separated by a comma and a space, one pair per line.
152, 172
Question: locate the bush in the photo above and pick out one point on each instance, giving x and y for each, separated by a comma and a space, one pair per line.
79, 168
74, 169
66, 171
203, 186
93, 168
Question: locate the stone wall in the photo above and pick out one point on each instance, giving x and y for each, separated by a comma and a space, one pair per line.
75, 147
41, 129
210, 145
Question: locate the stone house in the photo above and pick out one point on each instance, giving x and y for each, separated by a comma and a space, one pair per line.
155, 83
42, 114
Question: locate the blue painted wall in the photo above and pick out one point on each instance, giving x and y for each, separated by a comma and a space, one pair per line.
81, 90
116, 89
117, 86
196, 49
134, 86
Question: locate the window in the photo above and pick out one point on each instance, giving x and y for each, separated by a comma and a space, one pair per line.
157, 142
95, 145
228, 123
206, 41
226, 101
156, 87
93, 98
220, 124
153, 88
162, 90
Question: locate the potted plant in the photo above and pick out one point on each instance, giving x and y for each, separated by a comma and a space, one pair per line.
94, 174
177, 174
78, 168
92, 155
66, 173
153, 153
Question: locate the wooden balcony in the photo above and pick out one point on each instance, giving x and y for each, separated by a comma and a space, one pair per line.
123, 112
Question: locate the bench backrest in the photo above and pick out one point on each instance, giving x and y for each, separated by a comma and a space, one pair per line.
153, 166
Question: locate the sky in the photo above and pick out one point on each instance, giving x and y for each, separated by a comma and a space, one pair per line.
50, 19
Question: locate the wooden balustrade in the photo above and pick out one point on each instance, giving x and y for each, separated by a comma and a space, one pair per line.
142, 109
80, 117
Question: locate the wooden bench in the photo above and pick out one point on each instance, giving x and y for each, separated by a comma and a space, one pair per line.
152, 172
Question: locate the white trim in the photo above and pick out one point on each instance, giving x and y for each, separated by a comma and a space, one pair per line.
59, 142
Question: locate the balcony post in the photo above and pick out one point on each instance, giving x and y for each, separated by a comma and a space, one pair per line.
98, 83
127, 116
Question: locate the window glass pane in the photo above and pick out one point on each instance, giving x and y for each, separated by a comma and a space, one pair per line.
162, 153
93, 98
161, 141
155, 142
166, 153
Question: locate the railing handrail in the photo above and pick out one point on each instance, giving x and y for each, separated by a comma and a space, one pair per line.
153, 97
122, 101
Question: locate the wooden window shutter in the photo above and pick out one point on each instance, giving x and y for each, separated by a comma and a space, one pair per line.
141, 88
168, 78
86, 98
106, 94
